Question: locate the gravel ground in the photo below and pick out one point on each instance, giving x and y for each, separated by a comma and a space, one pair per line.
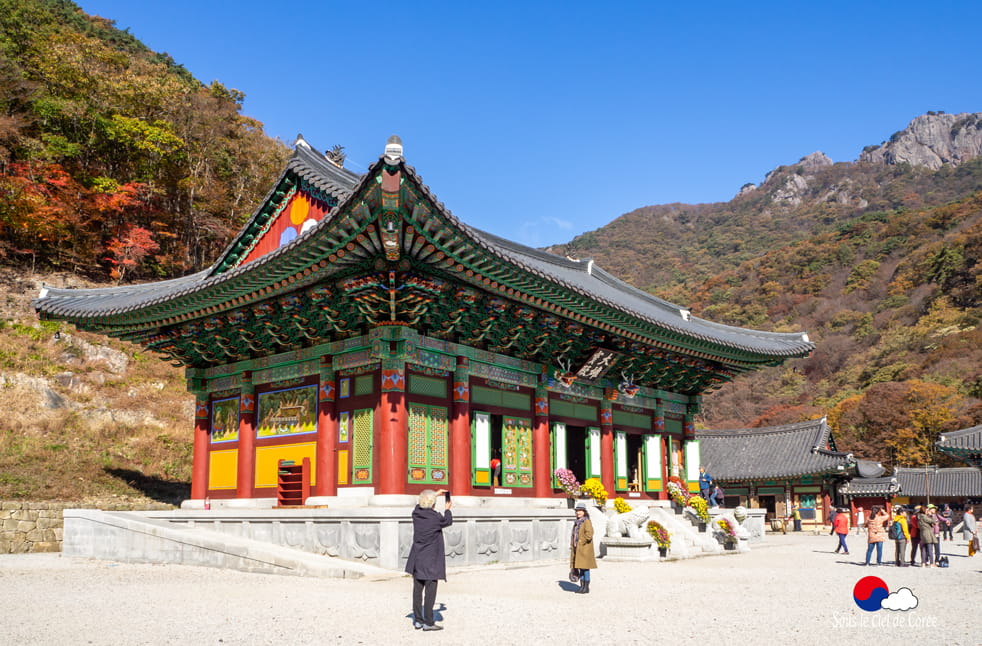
791, 590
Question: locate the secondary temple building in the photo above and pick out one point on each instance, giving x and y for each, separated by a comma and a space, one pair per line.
778, 466
356, 323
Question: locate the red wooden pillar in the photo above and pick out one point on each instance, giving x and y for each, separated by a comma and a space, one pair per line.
460, 429
393, 418
199, 464
607, 445
327, 433
541, 449
246, 471
658, 424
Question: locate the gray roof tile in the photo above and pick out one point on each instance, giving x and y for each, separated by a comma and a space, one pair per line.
786, 451
581, 276
967, 440
961, 482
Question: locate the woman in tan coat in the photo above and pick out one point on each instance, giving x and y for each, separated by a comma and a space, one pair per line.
876, 530
581, 555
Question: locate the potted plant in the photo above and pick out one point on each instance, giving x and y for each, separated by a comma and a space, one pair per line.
660, 536
595, 489
729, 533
678, 494
621, 506
568, 483
701, 507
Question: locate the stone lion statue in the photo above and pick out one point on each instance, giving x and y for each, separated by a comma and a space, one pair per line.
629, 523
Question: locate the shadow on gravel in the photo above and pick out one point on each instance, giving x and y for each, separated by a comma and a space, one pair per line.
166, 491
567, 586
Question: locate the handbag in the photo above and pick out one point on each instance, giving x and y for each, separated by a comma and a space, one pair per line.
973, 546
574, 575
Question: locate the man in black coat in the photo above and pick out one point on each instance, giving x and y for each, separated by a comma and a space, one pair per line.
427, 558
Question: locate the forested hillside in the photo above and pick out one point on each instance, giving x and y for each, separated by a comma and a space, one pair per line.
878, 262
114, 160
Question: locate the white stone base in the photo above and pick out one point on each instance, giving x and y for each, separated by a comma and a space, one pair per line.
630, 549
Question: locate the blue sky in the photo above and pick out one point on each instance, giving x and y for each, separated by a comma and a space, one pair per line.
538, 121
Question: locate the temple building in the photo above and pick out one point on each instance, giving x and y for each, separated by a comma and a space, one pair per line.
356, 326
964, 445
775, 467
916, 486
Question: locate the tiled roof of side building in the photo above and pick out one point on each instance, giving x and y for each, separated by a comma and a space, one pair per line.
786, 451
960, 482
967, 440
578, 276
860, 487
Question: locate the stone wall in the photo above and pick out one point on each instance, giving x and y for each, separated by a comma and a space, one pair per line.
38, 526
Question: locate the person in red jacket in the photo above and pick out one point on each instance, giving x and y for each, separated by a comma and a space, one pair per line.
841, 527
915, 535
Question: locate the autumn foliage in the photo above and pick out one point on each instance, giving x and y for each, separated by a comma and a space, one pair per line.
114, 161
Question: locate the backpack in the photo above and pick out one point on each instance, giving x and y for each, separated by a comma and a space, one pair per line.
896, 531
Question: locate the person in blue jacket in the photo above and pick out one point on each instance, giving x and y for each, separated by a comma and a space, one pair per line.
705, 483
427, 561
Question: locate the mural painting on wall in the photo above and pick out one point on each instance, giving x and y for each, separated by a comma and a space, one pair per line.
288, 412
225, 420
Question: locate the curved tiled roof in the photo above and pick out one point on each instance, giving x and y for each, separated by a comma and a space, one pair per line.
967, 440
581, 277
786, 451
862, 487
584, 277
960, 482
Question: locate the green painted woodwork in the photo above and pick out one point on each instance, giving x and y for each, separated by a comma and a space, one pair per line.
428, 386
810, 489
480, 449
593, 469
692, 462
622, 418
620, 461
557, 456
427, 445
673, 426
502, 398
363, 428
561, 408
364, 384
651, 478
766, 491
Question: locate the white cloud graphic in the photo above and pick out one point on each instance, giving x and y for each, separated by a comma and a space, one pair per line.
902, 599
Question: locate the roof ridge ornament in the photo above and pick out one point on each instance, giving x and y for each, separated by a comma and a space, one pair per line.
393, 150
300, 141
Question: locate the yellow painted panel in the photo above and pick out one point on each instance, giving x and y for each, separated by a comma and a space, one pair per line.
653, 485
268, 458
694, 487
482, 477
621, 483
343, 467
223, 467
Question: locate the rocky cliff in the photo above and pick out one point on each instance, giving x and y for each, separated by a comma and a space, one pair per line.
931, 140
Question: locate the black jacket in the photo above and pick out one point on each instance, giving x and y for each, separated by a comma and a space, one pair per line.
427, 557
